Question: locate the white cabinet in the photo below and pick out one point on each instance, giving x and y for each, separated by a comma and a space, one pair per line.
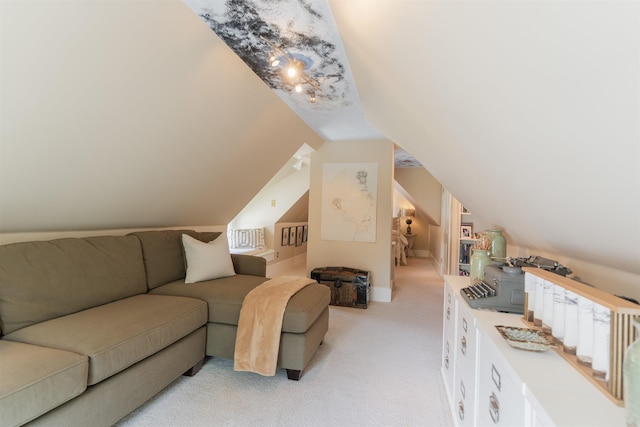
464, 401
448, 339
500, 398
465, 367
490, 383
467, 338
536, 416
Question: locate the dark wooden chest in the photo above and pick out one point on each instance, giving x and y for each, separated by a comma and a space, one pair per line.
349, 286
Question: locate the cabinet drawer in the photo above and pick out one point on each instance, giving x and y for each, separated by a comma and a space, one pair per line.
500, 397
448, 340
449, 312
448, 363
466, 339
464, 401
449, 316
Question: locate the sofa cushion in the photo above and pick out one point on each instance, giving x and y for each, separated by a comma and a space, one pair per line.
224, 297
37, 379
207, 261
44, 280
163, 253
249, 264
119, 334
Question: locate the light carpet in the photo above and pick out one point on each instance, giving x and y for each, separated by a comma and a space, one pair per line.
377, 367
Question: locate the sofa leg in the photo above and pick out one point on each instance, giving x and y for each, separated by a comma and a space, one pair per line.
294, 374
194, 369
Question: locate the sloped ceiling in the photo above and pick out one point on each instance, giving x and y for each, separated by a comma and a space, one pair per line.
130, 114
125, 114
528, 112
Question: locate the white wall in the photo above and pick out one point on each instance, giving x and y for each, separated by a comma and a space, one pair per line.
273, 201
373, 257
425, 194
435, 244
424, 189
291, 250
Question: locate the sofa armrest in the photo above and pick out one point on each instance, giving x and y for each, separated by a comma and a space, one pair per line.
249, 264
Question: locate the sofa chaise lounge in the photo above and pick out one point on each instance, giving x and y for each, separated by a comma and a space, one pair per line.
93, 327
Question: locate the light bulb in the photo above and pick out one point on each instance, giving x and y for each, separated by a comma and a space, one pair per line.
298, 88
291, 71
275, 62
313, 98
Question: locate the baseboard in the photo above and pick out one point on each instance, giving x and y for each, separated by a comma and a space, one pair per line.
421, 253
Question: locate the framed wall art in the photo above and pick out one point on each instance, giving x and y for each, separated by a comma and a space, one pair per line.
299, 232
292, 236
349, 202
285, 236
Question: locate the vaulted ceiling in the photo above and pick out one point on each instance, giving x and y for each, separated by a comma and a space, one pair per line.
526, 111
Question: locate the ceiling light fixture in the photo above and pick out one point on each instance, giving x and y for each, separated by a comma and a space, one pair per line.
293, 71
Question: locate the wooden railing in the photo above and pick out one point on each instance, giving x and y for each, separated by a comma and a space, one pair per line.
540, 311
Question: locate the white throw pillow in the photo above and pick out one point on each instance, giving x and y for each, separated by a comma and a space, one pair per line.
207, 261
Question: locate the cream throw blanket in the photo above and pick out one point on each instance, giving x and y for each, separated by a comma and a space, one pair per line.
260, 324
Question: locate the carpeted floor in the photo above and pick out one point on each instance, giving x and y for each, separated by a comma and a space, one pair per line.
376, 367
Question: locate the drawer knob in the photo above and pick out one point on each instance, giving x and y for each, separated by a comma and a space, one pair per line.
446, 361
461, 410
494, 408
463, 345
448, 313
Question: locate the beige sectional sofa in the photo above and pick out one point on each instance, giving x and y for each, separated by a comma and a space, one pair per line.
93, 327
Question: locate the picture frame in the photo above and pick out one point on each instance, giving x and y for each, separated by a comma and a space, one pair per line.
305, 233
299, 231
285, 236
292, 236
465, 253
466, 231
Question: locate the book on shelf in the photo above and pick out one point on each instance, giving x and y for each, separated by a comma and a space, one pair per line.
465, 252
